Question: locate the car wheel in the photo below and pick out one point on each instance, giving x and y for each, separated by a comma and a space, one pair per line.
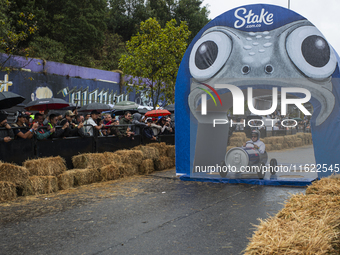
223, 174
273, 164
260, 172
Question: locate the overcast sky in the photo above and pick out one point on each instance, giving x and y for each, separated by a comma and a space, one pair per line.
324, 14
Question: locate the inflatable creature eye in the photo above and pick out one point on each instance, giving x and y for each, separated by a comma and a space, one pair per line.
310, 52
209, 54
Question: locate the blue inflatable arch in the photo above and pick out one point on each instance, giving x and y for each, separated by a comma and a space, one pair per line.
263, 47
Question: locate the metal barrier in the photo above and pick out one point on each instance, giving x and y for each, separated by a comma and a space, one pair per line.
17, 151
65, 148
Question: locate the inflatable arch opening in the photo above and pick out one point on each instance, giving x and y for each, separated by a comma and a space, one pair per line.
258, 50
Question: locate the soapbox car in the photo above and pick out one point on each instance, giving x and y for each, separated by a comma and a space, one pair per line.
246, 160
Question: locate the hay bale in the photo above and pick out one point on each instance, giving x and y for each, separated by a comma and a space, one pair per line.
133, 157
308, 224
148, 152
265, 140
269, 147
279, 146
51, 166
279, 139
285, 145
14, 174
41, 185
7, 191
65, 180
110, 172
298, 142
85, 176
271, 140
236, 140
230, 147
146, 167
325, 186
170, 151
239, 134
288, 138
160, 146
111, 157
128, 170
163, 163
89, 160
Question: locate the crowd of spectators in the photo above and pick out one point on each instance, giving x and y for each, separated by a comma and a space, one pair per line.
71, 124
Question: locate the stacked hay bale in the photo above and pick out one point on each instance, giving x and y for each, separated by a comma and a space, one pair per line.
8, 191
150, 155
89, 160
287, 141
131, 160
78, 177
308, 224
12, 177
237, 139
43, 175
166, 153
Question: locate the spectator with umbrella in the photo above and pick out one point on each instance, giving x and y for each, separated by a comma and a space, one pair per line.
6, 132
21, 130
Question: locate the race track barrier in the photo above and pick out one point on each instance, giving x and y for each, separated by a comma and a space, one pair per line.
17, 151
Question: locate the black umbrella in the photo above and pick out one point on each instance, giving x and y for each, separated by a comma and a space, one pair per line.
95, 106
46, 104
170, 108
9, 99
122, 112
143, 111
71, 107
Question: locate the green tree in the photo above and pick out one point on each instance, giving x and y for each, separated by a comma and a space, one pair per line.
15, 27
46, 48
111, 52
155, 53
82, 30
125, 17
192, 12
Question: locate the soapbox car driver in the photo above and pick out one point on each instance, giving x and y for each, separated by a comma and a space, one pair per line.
255, 142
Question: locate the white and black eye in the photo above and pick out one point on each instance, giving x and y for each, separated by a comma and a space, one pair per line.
209, 54
310, 52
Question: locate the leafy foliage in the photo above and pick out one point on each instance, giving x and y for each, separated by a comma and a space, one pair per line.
155, 53
15, 28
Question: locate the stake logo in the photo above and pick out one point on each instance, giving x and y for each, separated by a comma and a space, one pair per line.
252, 18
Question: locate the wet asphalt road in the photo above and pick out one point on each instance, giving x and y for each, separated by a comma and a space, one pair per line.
154, 214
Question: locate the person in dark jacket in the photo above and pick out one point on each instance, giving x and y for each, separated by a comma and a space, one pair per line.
58, 133
138, 125
72, 129
124, 130
147, 131
6, 133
